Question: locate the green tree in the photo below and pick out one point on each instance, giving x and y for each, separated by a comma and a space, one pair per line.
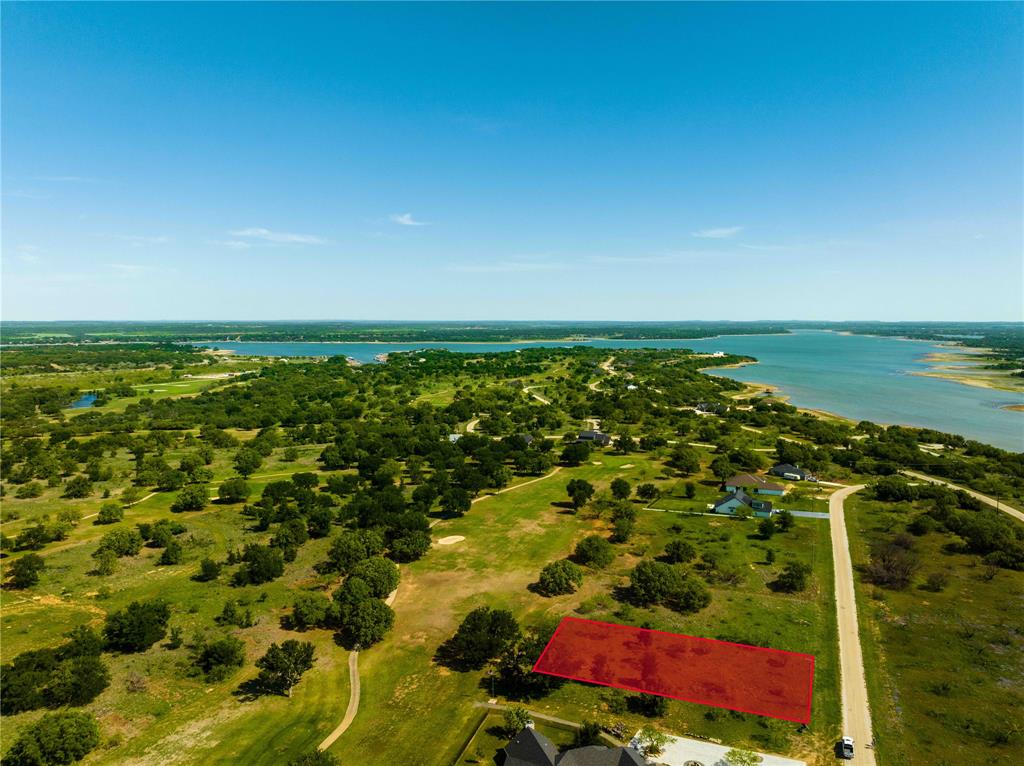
690, 489
594, 551
580, 491
679, 552
684, 459
367, 623
315, 758
737, 757
653, 582
560, 577
24, 572
208, 570
652, 742
621, 489
587, 735
310, 610
247, 461
516, 718
55, 739
722, 468
379, 574
106, 562
767, 528
77, 681
219, 659
647, 492
138, 626
110, 513
456, 501
194, 497
785, 520
260, 564
173, 553
793, 577
122, 542
483, 635
234, 490
78, 487
350, 546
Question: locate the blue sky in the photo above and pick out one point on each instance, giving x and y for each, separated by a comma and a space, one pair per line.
464, 161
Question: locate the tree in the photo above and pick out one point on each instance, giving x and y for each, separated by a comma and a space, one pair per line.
410, 546
587, 735
647, 492
121, 542
652, 742
679, 552
260, 564
367, 622
560, 577
290, 454
690, 489
110, 513
649, 705
247, 461
310, 610
315, 758
138, 626
78, 487
793, 577
722, 468
692, 596
785, 520
234, 490
173, 553
622, 529
621, 489
576, 453
766, 528
516, 718
483, 634
594, 551
379, 574
194, 497
219, 659
106, 562
456, 501
25, 571
350, 546
77, 681
685, 459
580, 491
208, 570
54, 740
736, 757
653, 582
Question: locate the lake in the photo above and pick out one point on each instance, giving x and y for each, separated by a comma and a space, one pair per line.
85, 400
862, 377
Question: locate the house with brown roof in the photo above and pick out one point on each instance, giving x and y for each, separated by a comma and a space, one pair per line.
753, 483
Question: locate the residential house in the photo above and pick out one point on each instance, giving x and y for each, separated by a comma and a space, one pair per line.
595, 437
740, 499
791, 472
751, 482
531, 748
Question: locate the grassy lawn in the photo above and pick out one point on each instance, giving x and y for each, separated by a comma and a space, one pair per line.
490, 738
945, 669
408, 699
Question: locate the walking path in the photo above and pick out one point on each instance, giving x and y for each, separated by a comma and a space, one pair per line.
353, 657
997, 504
538, 397
856, 711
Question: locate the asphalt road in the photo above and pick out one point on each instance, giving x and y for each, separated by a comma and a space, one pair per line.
998, 504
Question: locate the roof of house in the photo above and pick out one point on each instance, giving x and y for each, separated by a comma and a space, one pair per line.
747, 500
530, 748
602, 756
751, 480
787, 468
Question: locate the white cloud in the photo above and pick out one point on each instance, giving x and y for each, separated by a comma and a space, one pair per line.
278, 237
722, 232
406, 219
233, 244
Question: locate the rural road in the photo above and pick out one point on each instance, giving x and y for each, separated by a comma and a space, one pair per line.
856, 712
538, 397
471, 425
997, 504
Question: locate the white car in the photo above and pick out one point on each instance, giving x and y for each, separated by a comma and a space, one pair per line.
846, 747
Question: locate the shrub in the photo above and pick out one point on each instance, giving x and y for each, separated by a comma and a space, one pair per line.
793, 577
379, 574
679, 552
110, 513
56, 738
138, 626
219, 659
208, 570
194, 497
235, 490
24, 572
559, 578
594, 551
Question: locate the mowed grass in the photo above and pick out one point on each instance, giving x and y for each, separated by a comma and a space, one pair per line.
945, 671
415, 711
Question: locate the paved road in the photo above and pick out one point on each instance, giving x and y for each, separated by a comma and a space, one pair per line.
538, 397
998, 504
856, 712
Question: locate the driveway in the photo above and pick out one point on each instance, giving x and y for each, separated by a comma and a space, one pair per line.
680, 751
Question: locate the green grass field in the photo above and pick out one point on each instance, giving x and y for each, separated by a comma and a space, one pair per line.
945, 669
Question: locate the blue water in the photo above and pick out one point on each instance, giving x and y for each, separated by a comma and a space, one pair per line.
85, 400
857, 376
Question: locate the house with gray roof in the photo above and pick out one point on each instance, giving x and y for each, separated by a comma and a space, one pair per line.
531, 748
740, 499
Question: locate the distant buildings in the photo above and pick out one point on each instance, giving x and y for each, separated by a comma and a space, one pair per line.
791, 472
594, 437
531, 748
751, 482
738, 499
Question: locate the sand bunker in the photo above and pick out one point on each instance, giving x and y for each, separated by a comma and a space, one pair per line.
451, 540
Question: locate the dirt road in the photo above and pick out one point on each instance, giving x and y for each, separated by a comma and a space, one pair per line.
856, 712
998, 504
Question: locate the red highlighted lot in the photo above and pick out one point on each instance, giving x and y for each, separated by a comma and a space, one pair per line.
750, 679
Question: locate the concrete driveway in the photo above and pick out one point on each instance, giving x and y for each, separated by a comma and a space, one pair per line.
679, 751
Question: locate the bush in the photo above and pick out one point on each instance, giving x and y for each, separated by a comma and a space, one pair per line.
679, 552
310, 610
936, 581
219, 659
120, 542
260, 564
24, 572
78, 487
138, 626
173, 553
110, 513
367, 622
594, 551
559, 578
793, 577
194, 497
208, 570
516, 719
234, 490
55, 739
653, 582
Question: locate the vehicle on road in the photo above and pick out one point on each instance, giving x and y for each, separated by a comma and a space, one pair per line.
846, 748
